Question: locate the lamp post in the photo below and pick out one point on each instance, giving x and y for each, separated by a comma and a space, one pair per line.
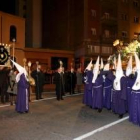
14, 40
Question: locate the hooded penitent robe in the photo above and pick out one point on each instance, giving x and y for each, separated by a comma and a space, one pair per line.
88, 88
97, 93
22, 104
107, 87
119, 98
130, 82
134, 107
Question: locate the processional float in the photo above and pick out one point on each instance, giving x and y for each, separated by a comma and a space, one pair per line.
7, 51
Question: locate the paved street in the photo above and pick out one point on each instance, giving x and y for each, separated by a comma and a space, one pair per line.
68, 119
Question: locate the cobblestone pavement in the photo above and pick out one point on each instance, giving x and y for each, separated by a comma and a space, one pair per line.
67, 119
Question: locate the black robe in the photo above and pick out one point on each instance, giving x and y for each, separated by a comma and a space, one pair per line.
72, 82
39, 78
60, 85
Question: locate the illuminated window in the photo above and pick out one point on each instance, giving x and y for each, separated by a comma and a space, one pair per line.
136, 19
107, 50
125, 1
107, 34
135, 3
24, 15
124, 34
107, 15
93, 12
96, 49
124, 17
24, 7
136, 35
93, 31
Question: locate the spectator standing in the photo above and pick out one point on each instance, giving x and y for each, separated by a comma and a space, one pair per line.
72, 81
12, 88
59, 83
39, 78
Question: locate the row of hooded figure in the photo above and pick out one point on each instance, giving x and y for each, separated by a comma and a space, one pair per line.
114, 89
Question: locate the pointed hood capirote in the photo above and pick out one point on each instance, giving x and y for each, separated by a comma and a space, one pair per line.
136, 85
102, 64
95, 70
114, 63
21, 70
89, 66
119, 74
106, 67
129, 67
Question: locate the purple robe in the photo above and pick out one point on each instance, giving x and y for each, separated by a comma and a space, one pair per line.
97, 93
130, 83
22, 104
134, 112
134, 107
107, 92
88, 88
119, 98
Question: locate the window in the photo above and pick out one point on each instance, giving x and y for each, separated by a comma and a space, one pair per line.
13, 33
24, 7
135, 3
124, 34
137, 35
93, 31
106, 50
124, 17
93, 12
90, 49
107, 15
93, 49
125, 1
136, 19
96, 49
24, 16
107, 34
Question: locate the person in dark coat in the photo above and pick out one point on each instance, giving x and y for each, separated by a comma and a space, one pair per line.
39, 78
72, 81
4, 80
59, 84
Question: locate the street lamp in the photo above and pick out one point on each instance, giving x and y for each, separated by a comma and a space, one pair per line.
14, 40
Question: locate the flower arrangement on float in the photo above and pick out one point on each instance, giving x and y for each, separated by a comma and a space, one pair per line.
125, 50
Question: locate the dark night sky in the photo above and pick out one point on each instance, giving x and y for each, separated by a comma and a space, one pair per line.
7, 6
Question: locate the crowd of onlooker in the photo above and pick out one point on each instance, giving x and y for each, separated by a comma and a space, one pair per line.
73, 80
